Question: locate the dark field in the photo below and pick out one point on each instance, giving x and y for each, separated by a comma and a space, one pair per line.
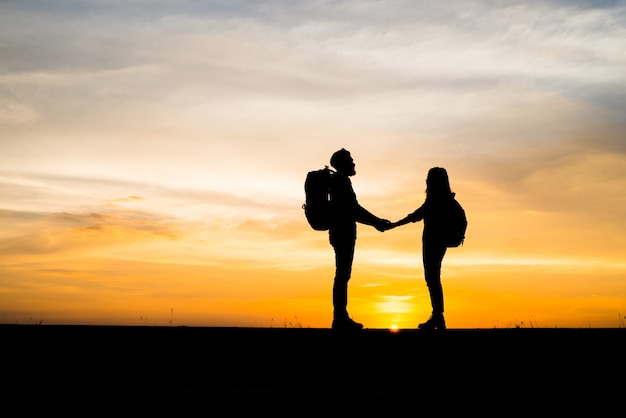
181, 371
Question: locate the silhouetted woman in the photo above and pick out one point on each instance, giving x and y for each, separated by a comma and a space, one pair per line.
439, 197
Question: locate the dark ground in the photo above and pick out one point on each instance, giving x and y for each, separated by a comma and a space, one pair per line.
306, 372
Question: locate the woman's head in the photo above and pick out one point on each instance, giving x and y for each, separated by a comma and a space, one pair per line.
437, 183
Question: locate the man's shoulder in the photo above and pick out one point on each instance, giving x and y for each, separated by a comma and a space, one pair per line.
339, 180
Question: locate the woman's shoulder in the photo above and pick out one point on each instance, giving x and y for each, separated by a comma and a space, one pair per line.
440, 199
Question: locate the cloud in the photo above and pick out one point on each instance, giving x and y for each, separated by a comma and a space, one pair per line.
342, 64
255, 43
47, 233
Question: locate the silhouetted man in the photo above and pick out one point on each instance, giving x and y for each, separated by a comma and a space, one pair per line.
342, 234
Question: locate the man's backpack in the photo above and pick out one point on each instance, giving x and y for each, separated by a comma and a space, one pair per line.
456, 225
317, 207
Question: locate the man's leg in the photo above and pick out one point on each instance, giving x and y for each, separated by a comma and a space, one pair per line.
344, 255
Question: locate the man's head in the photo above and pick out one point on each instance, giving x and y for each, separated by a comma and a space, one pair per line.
342, 162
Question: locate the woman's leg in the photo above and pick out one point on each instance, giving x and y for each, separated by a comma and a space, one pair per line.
432, 254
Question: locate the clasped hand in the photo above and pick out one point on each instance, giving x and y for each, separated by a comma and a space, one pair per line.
385, 225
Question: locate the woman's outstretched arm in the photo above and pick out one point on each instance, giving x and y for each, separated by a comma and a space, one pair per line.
416, 216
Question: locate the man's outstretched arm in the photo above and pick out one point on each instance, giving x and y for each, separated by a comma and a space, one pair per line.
366, 217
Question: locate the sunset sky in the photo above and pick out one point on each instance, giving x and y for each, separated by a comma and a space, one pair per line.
153, 156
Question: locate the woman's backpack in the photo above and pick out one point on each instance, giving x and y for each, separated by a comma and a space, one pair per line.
456, 225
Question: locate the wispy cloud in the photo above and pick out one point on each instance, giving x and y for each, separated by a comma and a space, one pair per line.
38, 233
